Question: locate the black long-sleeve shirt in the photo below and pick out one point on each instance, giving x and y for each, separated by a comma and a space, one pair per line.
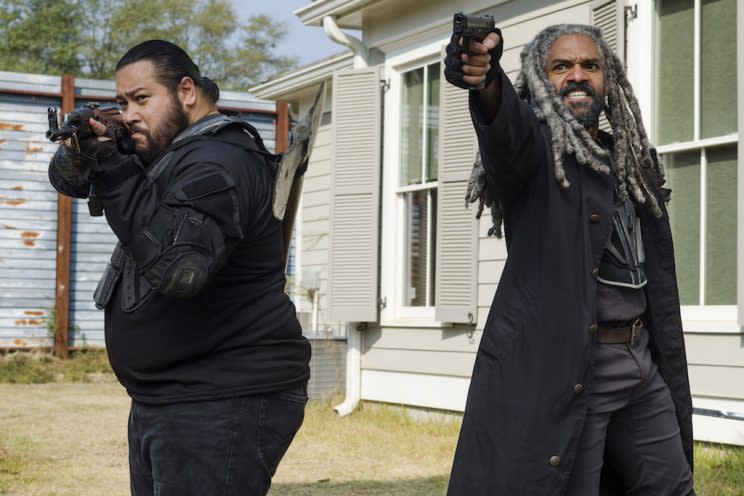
239, 334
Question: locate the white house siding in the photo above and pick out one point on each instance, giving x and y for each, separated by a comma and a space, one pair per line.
716, 370
424, 367
315, 224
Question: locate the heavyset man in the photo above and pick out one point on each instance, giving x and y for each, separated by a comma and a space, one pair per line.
580, 384
198, 328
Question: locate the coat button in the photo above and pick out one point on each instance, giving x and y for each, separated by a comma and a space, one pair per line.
578, 388
593, 328
555, 461
595, 271
594, 217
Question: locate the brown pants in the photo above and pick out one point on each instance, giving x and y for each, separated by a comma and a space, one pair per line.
632, 426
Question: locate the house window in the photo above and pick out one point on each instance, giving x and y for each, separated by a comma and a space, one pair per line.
417, 183
695, 130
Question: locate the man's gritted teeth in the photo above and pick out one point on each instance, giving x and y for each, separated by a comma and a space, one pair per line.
578, 94
579, 97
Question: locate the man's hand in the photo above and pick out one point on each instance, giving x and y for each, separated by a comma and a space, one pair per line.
100, 147
475, 71
85, 154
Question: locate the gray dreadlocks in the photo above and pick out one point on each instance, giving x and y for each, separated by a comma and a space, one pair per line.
631, 151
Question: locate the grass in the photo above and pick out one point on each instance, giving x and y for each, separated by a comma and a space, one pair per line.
40, 367
376, 451
10, 469
66, 438
719, 470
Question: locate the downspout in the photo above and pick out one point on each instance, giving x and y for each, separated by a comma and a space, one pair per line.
361, 52
353, 335
353, 372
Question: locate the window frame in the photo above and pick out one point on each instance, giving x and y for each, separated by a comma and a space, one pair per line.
427, 185
393, 312
642, 73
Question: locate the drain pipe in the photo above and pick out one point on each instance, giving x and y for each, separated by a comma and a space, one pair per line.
353, 372
353, 335
356, 45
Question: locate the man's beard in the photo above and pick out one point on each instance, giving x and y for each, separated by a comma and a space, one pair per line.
587, 117
156, 143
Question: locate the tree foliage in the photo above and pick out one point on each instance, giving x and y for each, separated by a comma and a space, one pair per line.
87, 37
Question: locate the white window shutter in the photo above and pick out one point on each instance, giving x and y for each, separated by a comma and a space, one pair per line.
609, 17
355, 196
457, 233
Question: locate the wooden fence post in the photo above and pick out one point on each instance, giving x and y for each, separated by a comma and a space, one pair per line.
64, 241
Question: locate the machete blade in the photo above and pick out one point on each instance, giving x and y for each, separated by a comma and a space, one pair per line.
301, 140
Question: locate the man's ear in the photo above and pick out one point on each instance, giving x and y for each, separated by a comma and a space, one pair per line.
186, 92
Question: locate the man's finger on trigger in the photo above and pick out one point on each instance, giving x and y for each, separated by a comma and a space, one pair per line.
491, 41
478, 47
97, 127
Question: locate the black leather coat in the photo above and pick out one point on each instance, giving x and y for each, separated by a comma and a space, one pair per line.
524, 414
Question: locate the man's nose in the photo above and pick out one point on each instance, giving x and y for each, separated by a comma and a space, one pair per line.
577, 73
130, 117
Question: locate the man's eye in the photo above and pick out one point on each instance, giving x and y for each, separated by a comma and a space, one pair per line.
121, 104
559, 67
140, 98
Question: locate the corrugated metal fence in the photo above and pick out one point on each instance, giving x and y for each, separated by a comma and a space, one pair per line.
52, 251
28, 222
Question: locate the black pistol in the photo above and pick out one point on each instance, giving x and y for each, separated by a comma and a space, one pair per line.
472, 27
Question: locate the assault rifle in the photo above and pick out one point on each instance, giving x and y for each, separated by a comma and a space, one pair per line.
76, 126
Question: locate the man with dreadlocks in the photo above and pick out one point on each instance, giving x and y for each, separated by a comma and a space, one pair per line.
580, 385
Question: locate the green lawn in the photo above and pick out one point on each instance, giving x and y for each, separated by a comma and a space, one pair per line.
65, 438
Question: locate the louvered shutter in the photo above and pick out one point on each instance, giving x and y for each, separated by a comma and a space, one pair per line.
355, 196
457, 240
609, 17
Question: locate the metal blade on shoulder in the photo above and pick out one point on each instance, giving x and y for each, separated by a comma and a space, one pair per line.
301, 142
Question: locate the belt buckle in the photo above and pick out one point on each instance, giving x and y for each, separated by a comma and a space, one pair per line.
635, 331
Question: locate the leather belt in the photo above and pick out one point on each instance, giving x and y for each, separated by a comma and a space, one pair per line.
627, 333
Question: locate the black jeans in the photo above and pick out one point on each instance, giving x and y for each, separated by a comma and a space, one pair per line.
221, 447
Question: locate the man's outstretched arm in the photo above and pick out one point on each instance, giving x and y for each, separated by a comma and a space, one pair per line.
481, 67
508, 131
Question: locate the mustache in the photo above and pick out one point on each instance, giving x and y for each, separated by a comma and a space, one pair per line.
582, 86
136, 129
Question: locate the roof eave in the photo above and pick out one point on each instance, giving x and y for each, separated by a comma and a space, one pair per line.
285, 85
313, 14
